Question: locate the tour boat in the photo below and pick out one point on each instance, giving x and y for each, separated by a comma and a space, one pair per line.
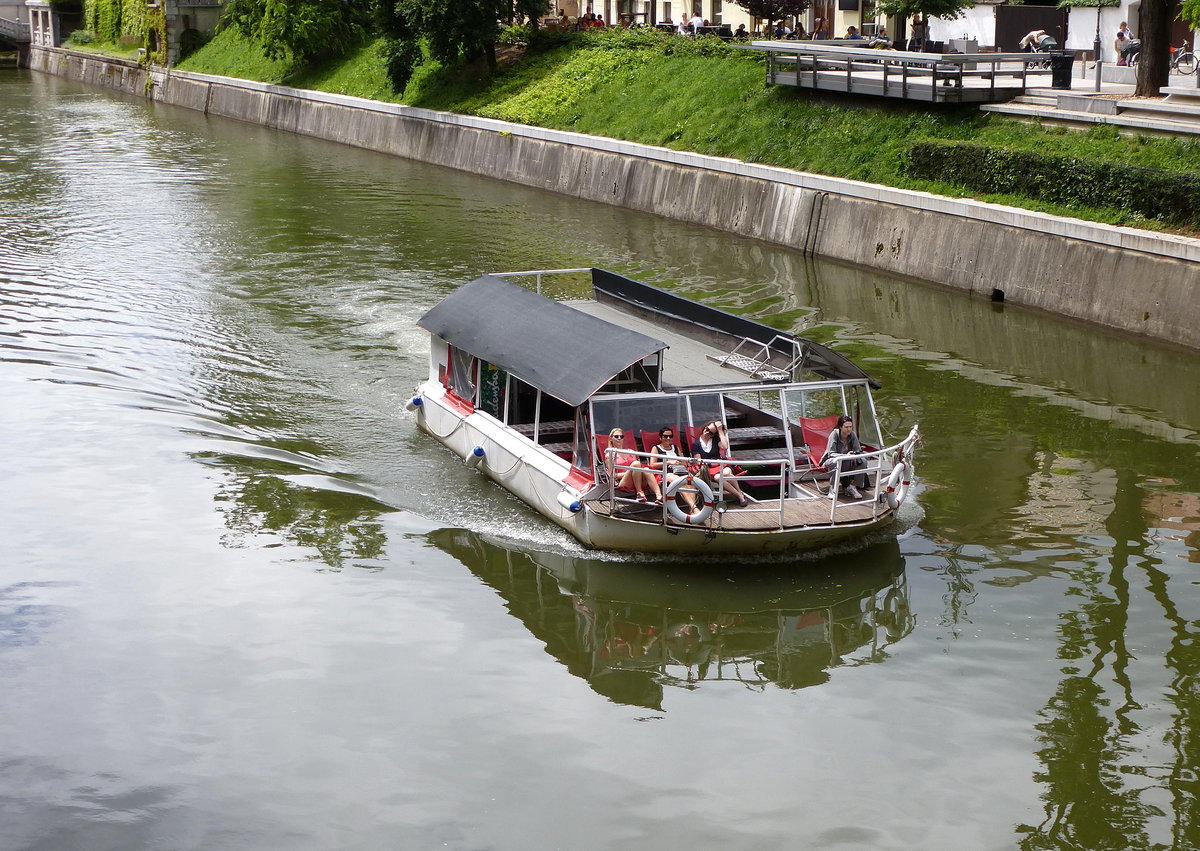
528, 389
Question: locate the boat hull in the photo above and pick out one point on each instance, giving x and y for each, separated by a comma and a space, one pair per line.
540, 478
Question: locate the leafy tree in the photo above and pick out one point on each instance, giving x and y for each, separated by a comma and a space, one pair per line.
1190, 14
774, 10
305, 29
401, 50
905, 9
454, 30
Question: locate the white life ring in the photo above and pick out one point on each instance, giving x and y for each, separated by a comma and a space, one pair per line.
897, 485
706, 497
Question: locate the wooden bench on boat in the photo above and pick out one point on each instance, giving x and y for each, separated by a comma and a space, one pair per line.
547, 429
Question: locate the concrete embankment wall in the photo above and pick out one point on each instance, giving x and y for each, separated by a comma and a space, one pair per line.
1133, 281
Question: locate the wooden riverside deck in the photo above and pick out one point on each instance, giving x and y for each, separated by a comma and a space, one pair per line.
929, 77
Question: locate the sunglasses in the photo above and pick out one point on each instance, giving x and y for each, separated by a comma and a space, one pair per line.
619, 436
668, 435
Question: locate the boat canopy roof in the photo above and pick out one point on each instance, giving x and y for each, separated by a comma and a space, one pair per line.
551, 346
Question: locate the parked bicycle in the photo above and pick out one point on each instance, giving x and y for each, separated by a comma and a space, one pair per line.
1183, 60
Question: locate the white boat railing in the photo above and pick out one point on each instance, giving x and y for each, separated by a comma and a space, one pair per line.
537, 273
784, 477
873, 464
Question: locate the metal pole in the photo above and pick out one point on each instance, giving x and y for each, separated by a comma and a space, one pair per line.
1096, 48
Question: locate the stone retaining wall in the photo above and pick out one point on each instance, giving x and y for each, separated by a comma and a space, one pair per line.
1124, 279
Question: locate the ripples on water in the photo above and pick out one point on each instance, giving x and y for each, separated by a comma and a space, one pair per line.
206, 338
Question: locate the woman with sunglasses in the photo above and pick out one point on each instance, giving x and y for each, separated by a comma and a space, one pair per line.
636, 477
665, 458
713, 445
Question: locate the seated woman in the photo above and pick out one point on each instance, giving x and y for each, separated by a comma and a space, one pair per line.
664, 458
843, 441
713, 445
636, 477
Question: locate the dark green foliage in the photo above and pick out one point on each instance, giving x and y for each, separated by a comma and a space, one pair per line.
924, 8
1172, 197
1189, 13
305, 29
400, 57
461, 29
774, 10
452, 31
191, 40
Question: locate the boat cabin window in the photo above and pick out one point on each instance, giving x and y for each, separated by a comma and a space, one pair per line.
460, 378
809, 407
582, 454
522, 406
549, 421
527, 406
645, 376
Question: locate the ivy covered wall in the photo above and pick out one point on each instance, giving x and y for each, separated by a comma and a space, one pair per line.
111, 19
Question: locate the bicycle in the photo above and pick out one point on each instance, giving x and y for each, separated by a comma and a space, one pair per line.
1183, 60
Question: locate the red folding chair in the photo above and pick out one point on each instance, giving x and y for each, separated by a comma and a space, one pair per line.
602, 447
816, 437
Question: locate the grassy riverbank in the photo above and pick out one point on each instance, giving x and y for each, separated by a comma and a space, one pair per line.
701, 95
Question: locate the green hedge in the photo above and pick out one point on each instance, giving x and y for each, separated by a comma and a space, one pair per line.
1171, 197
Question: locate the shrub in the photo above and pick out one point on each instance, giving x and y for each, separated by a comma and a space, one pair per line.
82, 37
1170, 196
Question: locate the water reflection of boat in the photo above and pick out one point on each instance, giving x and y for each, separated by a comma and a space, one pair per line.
632, 633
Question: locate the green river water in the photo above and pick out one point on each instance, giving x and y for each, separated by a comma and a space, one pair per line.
245, 604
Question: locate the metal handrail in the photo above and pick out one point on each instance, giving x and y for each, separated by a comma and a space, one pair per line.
538, 274
903, 450
14, 29
811, 57
610, 453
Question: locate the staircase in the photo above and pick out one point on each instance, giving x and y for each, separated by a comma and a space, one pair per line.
1177, 114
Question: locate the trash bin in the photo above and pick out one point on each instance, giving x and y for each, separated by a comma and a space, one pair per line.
1061, 62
